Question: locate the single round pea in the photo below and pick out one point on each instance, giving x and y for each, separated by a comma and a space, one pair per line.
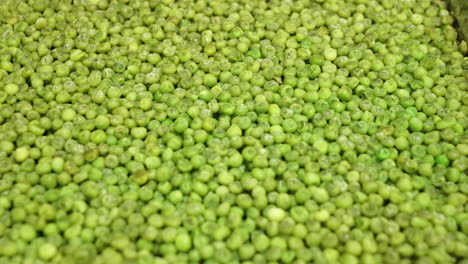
47, 251
11, 88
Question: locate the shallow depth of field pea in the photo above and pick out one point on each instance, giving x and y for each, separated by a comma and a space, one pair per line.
232, 131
